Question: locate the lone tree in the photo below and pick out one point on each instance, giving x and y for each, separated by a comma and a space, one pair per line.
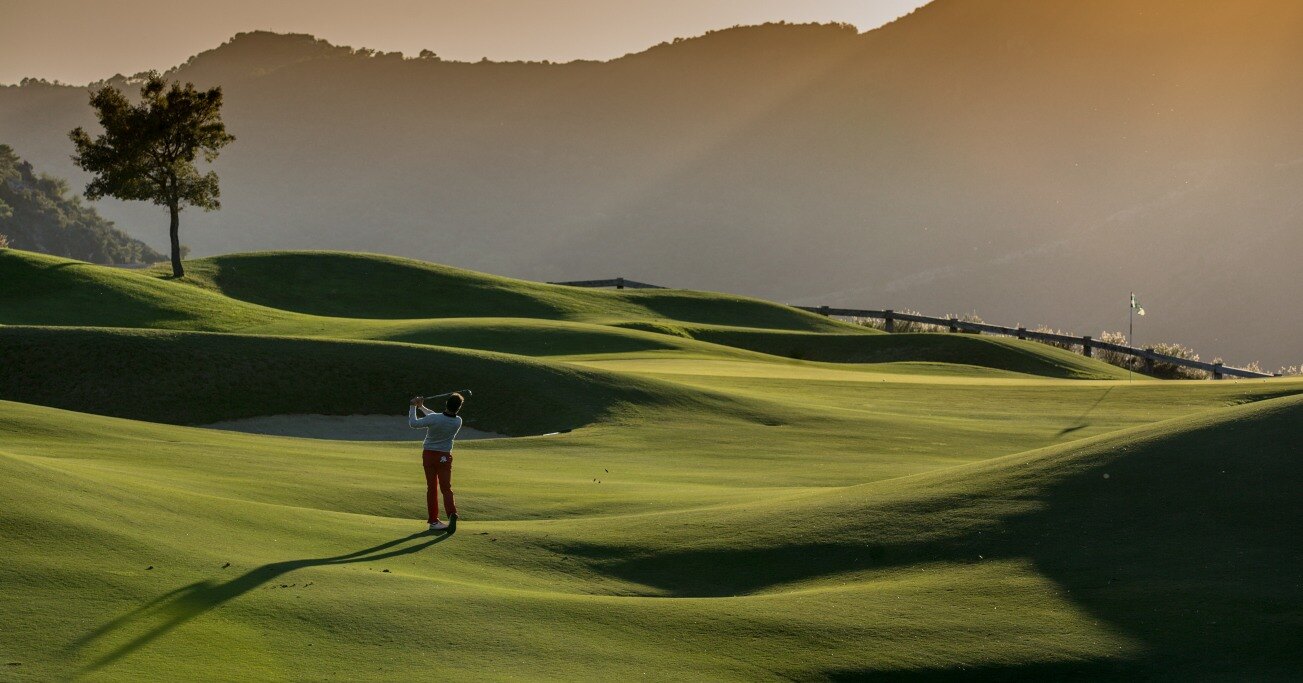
148, 150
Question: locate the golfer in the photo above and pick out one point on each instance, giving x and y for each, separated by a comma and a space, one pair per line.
440, 431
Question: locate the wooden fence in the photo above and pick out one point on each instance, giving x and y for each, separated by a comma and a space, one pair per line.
1087, 344
618, 283
1148, 357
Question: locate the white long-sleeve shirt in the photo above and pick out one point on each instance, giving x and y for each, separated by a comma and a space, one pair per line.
440, 429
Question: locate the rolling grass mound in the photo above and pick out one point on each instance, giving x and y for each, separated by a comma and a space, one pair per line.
720, 510
36, 289
198, 378
348, 285
522, 336
871, 346
1179, 535
138, 548
276, 294
44, 290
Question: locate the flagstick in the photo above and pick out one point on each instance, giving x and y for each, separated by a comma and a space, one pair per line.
1131, 331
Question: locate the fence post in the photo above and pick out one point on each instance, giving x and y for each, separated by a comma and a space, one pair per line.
823, 310
1217, 370
1149, 361
954, 324
1022, 332
890, 325
1085, 346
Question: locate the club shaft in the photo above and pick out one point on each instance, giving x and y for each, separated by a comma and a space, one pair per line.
463, 392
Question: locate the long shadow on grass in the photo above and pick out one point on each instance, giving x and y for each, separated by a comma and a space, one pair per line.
173, 609
1081, 423
1185, 544
728, 572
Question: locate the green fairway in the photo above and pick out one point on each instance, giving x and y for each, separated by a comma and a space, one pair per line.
279, 294
740, 490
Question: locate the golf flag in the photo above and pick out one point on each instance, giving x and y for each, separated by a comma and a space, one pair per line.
1135, 306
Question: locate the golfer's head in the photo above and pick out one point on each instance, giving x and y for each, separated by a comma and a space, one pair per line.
454, 404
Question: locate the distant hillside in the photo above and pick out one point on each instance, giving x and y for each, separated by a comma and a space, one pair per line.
37, 214
1030, 160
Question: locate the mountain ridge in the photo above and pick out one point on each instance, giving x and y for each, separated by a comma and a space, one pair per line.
1024, 161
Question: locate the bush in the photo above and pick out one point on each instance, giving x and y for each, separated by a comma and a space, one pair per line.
1173, 371
1070, 346
908, 326
1122, 360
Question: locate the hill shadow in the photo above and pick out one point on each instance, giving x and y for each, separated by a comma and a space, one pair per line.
171, 610
1084, 670
728, 572
1185, 543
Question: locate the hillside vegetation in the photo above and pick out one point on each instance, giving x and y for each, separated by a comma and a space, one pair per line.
907, 507
37, 214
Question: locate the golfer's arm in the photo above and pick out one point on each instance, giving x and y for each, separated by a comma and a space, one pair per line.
412, 420
424, 410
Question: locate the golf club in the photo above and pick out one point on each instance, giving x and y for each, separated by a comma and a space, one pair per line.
463, 392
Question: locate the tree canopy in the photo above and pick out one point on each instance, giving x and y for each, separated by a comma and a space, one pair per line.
148, 150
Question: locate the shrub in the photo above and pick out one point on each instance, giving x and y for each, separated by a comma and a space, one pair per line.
904, 326
1122, 360
1062, 345
1173, 371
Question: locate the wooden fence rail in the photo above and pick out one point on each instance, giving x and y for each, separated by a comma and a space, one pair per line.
1087, 344
1149, 357
618, 283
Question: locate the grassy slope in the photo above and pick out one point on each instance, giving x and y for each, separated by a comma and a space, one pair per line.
1180, 563
36, 289
717, 513
509, 316
197, 377
347, 285
46, 290
849, 347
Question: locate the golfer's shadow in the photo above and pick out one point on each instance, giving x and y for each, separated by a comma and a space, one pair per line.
170, 610
1081, 423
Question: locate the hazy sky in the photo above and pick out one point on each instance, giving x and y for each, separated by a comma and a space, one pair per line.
78, 41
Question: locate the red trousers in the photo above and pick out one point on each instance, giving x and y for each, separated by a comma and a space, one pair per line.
438, 477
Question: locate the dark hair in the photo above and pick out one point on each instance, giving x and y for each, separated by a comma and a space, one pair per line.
454, 404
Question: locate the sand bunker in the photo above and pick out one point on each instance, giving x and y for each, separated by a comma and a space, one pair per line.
340, 427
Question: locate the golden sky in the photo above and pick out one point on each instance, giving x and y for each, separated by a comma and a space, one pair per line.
78, 41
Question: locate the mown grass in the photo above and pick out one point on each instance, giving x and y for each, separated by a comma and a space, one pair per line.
194, 377
871, 346
277, 294
719, 511
349, 285
297, 293
1025, 563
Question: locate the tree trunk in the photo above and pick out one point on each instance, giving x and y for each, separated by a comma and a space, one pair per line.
177, 270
